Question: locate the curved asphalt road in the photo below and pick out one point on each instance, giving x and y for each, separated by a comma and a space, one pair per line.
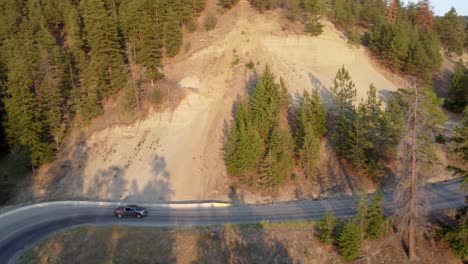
21, 229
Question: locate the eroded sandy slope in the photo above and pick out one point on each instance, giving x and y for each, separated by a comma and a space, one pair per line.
178, 155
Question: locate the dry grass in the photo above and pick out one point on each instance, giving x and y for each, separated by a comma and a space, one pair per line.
292, 242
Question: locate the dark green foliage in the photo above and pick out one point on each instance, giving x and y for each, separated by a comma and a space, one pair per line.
313, 26
156, 97
458, 90
451, 31
228, 3
244, 147
326, 227
256, 143
375, 217
349, 241
362, 211
310, 127
406, 45
459, 146
456, 235
344, 94
105, 71
371, 11
173, 34
365, 134
344, 12
278, 162
354, 37
62, 59
265, 104
210, 22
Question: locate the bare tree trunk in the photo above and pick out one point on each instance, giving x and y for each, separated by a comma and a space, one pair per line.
411, 242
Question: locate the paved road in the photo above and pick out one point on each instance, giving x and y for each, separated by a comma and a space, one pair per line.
22, 228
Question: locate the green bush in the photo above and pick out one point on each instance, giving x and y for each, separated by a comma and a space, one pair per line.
440, 138
156, 97
250, 65
210, 22
457, 234
354, 38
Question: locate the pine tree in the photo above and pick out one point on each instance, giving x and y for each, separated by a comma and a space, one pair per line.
450, 29
371, 12
391, 128
458, 91
361, 217
375, 217
265, 104
105, 71
311, 111
244, 147
309, 152
278, 162
326, 227
347, 122
425, 17
173, 33
344, 92
23, 124
349, 241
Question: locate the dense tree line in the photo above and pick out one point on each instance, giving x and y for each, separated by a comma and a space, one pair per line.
364, 134
261, 150
61, 60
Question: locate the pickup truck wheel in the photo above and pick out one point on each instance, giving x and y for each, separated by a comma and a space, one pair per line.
119, 215
138, 215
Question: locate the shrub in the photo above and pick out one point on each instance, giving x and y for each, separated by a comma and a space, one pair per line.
250, 65
353, 37
156, 97
440, 138
210, 22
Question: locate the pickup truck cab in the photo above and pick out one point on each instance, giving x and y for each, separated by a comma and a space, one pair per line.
130, 211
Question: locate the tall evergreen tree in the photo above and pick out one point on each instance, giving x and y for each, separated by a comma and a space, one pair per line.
458, 89
105, 71
278, 162
326, 227
450, 29
362, 210
265, 104
173, 33
244, 148
375, 217
23, 124
310, 127
344, 94
349, 241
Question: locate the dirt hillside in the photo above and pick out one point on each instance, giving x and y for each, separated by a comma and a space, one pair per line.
178, 155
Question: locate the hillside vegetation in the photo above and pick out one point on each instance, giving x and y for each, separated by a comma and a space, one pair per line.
61, 60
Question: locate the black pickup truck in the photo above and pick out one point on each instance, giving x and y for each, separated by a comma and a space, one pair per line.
130, 211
